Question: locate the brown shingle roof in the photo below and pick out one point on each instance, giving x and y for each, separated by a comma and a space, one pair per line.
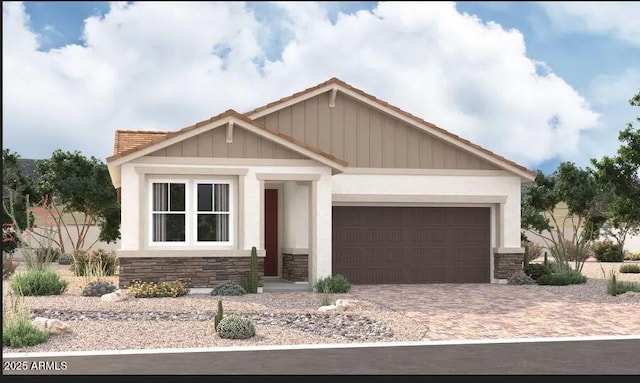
419, 120
129, 141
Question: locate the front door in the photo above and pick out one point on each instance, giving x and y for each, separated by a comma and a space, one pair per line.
271, 232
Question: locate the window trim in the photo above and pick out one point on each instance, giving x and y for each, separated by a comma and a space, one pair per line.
191, 213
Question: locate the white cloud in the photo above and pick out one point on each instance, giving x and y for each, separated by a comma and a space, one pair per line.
617, 18
150, 66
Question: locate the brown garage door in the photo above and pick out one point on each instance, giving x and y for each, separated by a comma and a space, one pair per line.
373, 245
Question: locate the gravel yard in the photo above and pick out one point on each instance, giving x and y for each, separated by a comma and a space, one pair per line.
388, 313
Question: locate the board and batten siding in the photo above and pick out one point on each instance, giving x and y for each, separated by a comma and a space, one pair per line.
365, 137
213, 143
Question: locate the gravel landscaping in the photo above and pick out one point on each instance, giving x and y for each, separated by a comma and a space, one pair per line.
387, 313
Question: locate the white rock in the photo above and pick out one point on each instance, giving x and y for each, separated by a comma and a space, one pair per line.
323, 309
117, 296
348, 304
51, 326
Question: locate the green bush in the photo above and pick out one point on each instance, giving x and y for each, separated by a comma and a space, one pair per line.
630, 269
171, 289
98, 262
607, 251
333, 284
98, 288
631, 256
8, 266
38, 283
228, 289
616, 287
19, 333
65, 259
521, 279
47, 254
536, 270
235, 327
562, 278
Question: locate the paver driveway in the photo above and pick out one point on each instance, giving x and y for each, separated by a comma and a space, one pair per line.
480, 311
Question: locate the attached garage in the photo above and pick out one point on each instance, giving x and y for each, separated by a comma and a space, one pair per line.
380, 244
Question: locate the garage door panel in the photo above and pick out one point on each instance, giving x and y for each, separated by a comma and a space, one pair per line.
411, 244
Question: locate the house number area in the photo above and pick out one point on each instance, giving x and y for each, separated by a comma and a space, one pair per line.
35, 365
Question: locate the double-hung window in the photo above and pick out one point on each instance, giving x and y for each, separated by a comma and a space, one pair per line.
192, 212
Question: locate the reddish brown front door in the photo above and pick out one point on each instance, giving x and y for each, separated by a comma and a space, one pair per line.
271, 232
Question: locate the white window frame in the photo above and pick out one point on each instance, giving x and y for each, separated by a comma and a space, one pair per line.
186, 211
232, 210
191, 212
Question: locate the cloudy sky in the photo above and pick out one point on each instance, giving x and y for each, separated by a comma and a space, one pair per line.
536, 82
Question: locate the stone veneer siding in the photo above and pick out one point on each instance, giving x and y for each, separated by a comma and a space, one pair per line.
203, 271
505, 265
295, 267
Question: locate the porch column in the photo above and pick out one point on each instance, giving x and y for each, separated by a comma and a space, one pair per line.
320, 233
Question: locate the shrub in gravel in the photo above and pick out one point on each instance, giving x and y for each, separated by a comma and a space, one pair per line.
616, 287
47, 254
563, 278
333, 284
98, 262
536, 270
38, 283
65, 259
632, 256
17, 333
630, 269
228, 289
98, 288
8, 266
607, 251
235, 327
171, 289
521, 279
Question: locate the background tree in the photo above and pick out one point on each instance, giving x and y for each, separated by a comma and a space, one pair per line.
568, 238
619, 181
15, 187
79, 188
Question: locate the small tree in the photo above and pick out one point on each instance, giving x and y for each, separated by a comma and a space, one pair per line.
577, 189
79, 188
619, 180
16, 187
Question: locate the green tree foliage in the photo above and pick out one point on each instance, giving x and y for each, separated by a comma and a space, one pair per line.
618, 177
575, 187
15, 188
80, 188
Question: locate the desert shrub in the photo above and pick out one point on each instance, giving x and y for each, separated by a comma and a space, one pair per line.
326, 299
47, 254
38, 282
616, 287
235, 327
98, 288
536, 270
65, 259
333, 284
562, 278
557, 267
8, 266
228, 289
554, 279
607, 251
630, 269
632, 256
17, 329
531, 251
521, 279
99, 262
171, 289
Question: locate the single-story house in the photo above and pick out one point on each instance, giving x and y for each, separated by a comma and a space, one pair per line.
328, 180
